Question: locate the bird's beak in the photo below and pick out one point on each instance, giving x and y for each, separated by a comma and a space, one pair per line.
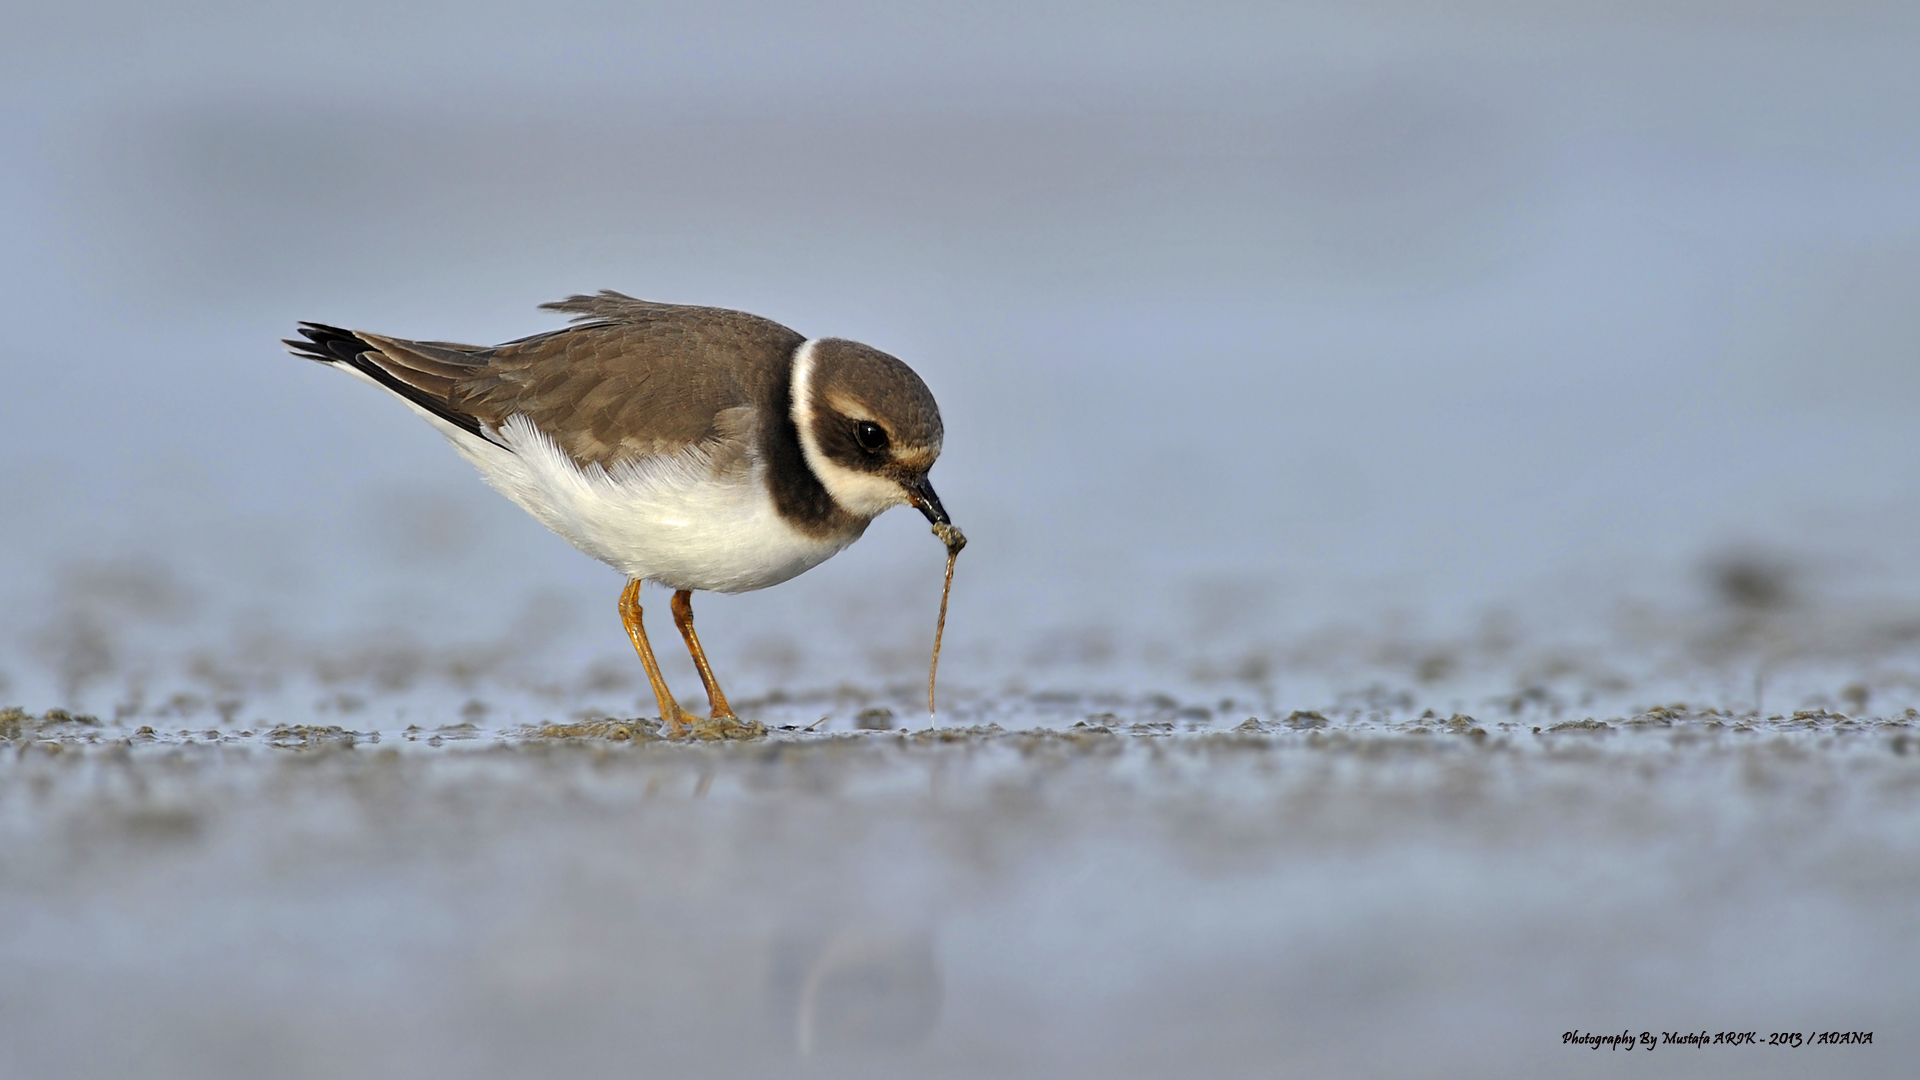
920, 494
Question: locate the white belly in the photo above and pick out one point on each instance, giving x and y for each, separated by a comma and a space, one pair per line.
671, 519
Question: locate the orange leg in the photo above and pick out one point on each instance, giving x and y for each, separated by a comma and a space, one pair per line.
671, 714
683, 618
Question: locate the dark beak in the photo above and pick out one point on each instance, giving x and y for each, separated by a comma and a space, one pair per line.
921, 494
925, 501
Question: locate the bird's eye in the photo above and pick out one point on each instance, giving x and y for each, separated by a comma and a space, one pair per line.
871, 436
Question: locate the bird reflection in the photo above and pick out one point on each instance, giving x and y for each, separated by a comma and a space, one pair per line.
857, 988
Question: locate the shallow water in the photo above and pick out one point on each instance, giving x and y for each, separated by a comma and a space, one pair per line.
1122, 897
1433, 868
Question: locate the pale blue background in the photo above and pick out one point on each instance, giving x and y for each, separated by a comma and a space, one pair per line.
1245, 318
1366, 357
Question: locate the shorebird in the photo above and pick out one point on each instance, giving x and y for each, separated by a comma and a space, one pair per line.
694, 447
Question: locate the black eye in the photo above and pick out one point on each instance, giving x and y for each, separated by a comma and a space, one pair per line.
871, 437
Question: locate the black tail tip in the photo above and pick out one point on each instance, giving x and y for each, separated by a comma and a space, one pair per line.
327, 344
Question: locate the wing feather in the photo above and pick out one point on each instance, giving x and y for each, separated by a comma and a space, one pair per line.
630, 379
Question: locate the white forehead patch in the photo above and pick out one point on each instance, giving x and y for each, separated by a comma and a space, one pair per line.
859, 493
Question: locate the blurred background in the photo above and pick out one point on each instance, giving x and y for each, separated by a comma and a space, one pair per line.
1247, 319
1546, 367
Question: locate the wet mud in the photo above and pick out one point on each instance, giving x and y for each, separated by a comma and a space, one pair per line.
588, 897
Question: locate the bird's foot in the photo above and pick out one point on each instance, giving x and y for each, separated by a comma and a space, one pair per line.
679, 722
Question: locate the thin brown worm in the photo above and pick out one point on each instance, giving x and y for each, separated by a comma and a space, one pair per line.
955, 540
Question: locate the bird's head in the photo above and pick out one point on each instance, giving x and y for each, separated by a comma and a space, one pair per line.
869, 428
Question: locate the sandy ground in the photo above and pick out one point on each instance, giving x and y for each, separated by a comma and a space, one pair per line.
1052, 883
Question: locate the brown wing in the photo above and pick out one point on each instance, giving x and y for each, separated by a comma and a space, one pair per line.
631, 379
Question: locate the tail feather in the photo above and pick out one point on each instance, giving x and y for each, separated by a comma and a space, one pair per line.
327, 344
423, 376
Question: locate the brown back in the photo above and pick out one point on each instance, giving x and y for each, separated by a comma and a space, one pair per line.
630, 379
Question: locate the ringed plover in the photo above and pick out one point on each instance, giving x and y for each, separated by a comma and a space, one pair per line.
694, 447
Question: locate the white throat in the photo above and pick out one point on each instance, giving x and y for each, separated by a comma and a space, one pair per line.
859, 493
